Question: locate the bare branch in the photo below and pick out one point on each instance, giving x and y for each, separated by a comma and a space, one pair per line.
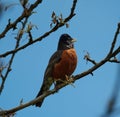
26, 13
58, 25
87, 58
8, 69
97, 65
114, 60
114, 40
18, 39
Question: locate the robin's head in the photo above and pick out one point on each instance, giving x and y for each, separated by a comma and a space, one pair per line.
66, 42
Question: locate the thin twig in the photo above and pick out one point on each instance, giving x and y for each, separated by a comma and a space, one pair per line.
12, 57
114, 40
25, 13
44, 35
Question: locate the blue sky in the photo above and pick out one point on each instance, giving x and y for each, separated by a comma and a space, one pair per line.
93, 26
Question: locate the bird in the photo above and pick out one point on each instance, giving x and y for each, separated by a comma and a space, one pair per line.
61, 65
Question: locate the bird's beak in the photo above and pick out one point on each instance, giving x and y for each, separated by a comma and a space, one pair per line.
73, 40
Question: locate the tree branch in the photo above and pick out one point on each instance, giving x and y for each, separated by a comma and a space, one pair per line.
25, 13
18, 39
58, 25
115, 39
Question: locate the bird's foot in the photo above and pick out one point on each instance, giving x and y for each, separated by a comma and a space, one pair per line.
69, 80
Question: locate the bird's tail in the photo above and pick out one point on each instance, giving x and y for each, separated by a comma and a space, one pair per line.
45, 87
39, 104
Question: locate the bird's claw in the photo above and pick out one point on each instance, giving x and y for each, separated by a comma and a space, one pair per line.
69, 80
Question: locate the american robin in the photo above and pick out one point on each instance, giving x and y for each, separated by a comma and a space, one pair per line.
61, 64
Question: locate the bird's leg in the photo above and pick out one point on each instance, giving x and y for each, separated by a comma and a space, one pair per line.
69, 80
57, 83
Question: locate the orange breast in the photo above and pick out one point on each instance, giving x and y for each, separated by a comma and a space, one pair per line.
67, 64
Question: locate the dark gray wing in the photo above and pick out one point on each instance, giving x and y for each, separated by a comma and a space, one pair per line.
48, 80
55, 58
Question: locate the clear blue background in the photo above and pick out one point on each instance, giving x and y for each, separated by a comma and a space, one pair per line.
93, 26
